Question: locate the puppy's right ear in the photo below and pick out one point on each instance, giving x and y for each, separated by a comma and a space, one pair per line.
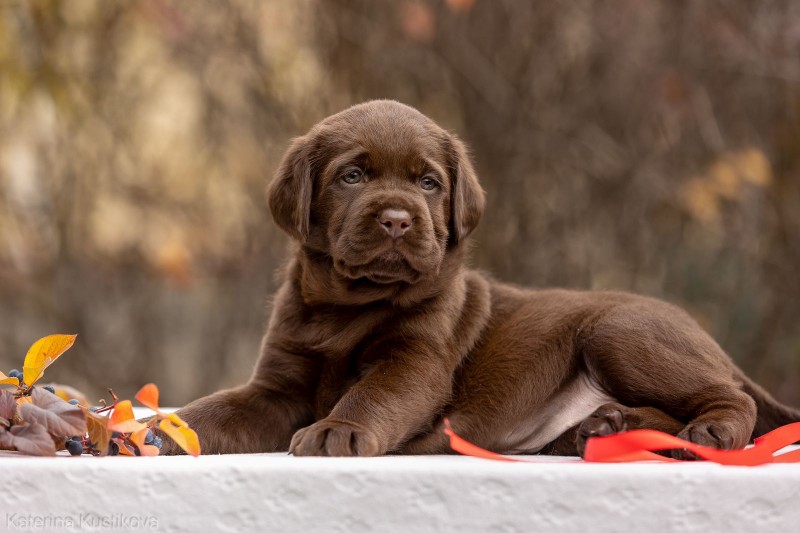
291, 189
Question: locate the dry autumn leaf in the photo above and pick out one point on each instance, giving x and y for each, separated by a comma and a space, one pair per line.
58, 417
32, 439
42, 354
8, 405
99, 434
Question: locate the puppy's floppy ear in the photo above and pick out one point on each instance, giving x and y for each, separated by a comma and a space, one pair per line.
466, 195
291, 189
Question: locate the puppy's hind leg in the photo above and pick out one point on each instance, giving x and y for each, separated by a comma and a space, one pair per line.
246, 419
649, 353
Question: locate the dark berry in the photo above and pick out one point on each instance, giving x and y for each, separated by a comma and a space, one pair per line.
74, 447
116, 434
149, 438
15, 373
157, 442
74, 402
48, 388
113, 448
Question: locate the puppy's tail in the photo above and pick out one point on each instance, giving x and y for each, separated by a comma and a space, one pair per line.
771, 413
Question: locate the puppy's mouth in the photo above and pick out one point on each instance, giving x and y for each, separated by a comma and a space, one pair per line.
387, 267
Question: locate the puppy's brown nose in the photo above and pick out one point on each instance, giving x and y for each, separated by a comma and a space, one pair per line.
395, 221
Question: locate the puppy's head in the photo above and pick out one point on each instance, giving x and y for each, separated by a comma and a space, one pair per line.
379, 188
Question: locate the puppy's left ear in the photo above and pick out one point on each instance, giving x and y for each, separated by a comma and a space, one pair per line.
467, 198
290, 192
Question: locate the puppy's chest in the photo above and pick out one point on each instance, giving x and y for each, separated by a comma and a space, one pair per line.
344, 358
348, 344
337, 375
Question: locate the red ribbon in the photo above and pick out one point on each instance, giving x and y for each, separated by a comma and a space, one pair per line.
639, 445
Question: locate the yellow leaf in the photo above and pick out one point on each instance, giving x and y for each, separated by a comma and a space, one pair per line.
178, 421
183, 436
42, 354
5, 380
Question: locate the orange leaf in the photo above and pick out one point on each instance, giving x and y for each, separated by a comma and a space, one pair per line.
124, 449
138, 437
5, 380
148, 396
42, 354
122, 419
144, 449
148, 450
183, 436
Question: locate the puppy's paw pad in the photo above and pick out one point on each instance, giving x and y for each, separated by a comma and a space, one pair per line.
335, 438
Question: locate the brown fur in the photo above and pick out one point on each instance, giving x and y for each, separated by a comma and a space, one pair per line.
373, 340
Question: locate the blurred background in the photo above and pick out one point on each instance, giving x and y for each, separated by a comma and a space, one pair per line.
627, 144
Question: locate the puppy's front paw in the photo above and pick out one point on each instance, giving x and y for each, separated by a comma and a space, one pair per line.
335, 438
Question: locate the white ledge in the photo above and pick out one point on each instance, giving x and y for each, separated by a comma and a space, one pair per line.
276, 492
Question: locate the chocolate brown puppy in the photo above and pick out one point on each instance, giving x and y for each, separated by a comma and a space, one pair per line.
380, 330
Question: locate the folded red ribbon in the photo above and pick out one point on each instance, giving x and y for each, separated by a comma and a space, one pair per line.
639, 445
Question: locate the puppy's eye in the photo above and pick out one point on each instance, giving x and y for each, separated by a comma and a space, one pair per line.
353, 176
428, 183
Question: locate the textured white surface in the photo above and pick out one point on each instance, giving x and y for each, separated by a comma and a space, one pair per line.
276, 492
